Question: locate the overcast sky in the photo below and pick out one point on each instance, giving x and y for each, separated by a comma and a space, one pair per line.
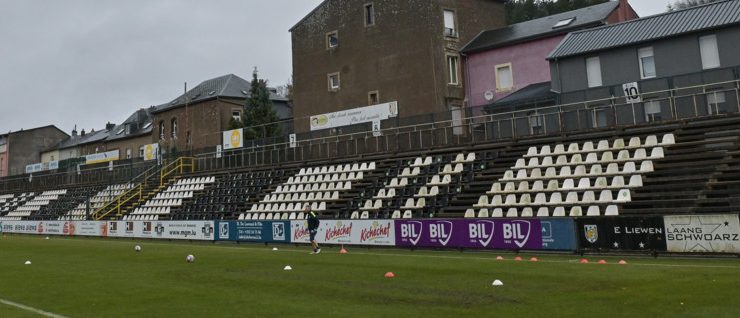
87, 62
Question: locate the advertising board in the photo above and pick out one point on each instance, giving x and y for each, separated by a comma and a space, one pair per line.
177, 230
253, 231
350, 232
512, 234
623, 233
703, 233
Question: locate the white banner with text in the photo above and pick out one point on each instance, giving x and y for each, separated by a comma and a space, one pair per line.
703, 233
178, 230
350, 232
374, 113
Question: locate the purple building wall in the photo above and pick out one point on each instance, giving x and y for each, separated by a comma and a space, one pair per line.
528, 65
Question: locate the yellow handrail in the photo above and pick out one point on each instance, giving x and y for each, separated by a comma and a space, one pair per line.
115, 205
176, 166
137, 192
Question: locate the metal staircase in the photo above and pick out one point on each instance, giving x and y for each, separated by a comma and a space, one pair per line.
147, 185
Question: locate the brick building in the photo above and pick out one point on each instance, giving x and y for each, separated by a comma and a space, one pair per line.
353, 53
130, 137
195, 120
21, 148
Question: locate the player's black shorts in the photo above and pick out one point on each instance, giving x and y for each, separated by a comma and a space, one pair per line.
312, 234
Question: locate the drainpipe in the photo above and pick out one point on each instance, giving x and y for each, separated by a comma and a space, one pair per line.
466, 83
559, 92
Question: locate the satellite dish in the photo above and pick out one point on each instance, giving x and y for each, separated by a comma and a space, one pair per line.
488, 95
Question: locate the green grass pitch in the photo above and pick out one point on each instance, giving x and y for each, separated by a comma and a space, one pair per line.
84, 277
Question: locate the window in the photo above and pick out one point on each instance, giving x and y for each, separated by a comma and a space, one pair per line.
161, 130
449, 19
601, 117
647, 62
173, 124
652, 111
452, 69
141, 152
536, 123
593, 71
332, 40
128, 153
369, 14
504, 78
709, 51
373, 98
236, 115
333, 81
457, 122
715, 102
189, 138
563, 23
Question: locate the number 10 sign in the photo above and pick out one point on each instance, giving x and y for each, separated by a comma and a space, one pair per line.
632, 93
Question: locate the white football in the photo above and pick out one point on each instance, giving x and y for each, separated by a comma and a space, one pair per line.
190, 258
137, 248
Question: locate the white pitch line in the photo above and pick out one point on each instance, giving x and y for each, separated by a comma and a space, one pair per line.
31, 309
468, 257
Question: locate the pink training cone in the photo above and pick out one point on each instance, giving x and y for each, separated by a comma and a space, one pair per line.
534, 259
584, 261
389, 275
499, 258
622, 262
343, 251
518, 258
601, 261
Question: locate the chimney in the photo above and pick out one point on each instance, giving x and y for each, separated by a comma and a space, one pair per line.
74, 131
83, 132
140, 115
110, 126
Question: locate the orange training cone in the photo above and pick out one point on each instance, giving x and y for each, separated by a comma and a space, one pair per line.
499, 258
622, 262
601, 261
534, 259
343, 251
389, 275
584, 261
518, 258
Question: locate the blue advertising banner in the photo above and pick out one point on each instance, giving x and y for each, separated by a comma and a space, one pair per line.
558, 234
254, 231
